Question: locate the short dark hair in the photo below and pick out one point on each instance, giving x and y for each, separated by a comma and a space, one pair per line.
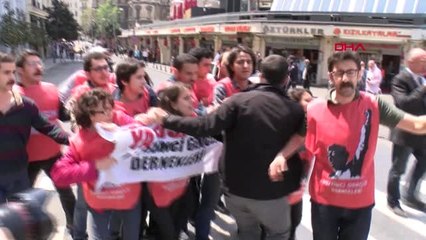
274, 69
296, 94
233, 56
200, 53
6, 58
20, 60
343, 56
170, 95
125, 70
87, 102
87, 60
182, 59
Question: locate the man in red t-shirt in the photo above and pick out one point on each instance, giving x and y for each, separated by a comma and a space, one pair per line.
204, 85
43, 151
342, 180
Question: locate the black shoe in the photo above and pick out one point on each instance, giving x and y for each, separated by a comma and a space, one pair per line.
396, 208
413, 202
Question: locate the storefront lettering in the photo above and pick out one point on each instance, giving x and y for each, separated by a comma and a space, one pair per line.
175, 30
341, 46
189, 29
292, 30
239, 28
367, 33
207, 29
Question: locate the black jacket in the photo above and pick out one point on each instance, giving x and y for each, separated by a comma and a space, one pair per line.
257, 123
410, 97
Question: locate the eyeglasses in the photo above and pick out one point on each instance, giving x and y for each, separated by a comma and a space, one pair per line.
349, 73
34, 64
101, 68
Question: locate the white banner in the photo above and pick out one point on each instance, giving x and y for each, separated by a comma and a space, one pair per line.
141, 157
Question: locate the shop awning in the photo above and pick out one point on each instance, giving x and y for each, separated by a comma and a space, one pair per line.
361, 6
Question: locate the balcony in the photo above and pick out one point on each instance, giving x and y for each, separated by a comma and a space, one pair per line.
36, 9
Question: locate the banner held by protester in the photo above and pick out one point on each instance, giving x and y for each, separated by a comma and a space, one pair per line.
171, 155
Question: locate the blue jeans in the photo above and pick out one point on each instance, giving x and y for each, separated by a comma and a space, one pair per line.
210, 194
126, 221
332, 223
80, 216
101, 223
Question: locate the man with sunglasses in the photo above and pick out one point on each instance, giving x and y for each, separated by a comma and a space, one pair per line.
42, 150
342, 134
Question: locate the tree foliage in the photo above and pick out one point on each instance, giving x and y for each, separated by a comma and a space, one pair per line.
106, 19
61, 23
13, 28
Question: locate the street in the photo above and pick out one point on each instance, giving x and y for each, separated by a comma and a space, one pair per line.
385, 225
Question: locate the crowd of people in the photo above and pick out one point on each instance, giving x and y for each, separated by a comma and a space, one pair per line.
276, 136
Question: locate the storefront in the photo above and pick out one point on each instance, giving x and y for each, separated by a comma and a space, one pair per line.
385, 46
299, 41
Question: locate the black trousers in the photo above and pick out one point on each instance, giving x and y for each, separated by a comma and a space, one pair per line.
400, 156
66, 195
332, 223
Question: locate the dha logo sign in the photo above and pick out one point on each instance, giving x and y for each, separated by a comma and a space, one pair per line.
342, 46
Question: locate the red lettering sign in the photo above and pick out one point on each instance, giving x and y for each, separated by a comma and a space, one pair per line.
237, 28
207, 29
189, 29
175, 30
341, 46
367, 33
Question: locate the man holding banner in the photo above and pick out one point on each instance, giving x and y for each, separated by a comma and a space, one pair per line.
258, 123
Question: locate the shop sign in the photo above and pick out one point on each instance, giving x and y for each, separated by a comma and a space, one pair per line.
237, 28
292, 30
175, 30
189, 30
368, 33
207, 29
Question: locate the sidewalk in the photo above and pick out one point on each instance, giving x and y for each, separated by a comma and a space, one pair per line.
48, 63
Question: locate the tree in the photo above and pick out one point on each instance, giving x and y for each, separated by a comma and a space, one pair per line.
61, 23
88, 22
13, 28
107, 20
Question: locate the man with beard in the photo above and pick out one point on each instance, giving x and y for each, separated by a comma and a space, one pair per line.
42, 150
341, 208
17, 115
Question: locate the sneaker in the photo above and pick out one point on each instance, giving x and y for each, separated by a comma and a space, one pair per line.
413, 202
397, 210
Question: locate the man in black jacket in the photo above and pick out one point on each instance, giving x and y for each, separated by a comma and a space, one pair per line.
258, 123
409, 94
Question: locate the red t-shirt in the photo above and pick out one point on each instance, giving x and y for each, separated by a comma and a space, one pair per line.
343, 139
204, 90
168, 83
77, 165
138, 106
46, 97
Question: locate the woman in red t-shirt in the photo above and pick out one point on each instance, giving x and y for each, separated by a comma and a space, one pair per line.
169, 202
89, 152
